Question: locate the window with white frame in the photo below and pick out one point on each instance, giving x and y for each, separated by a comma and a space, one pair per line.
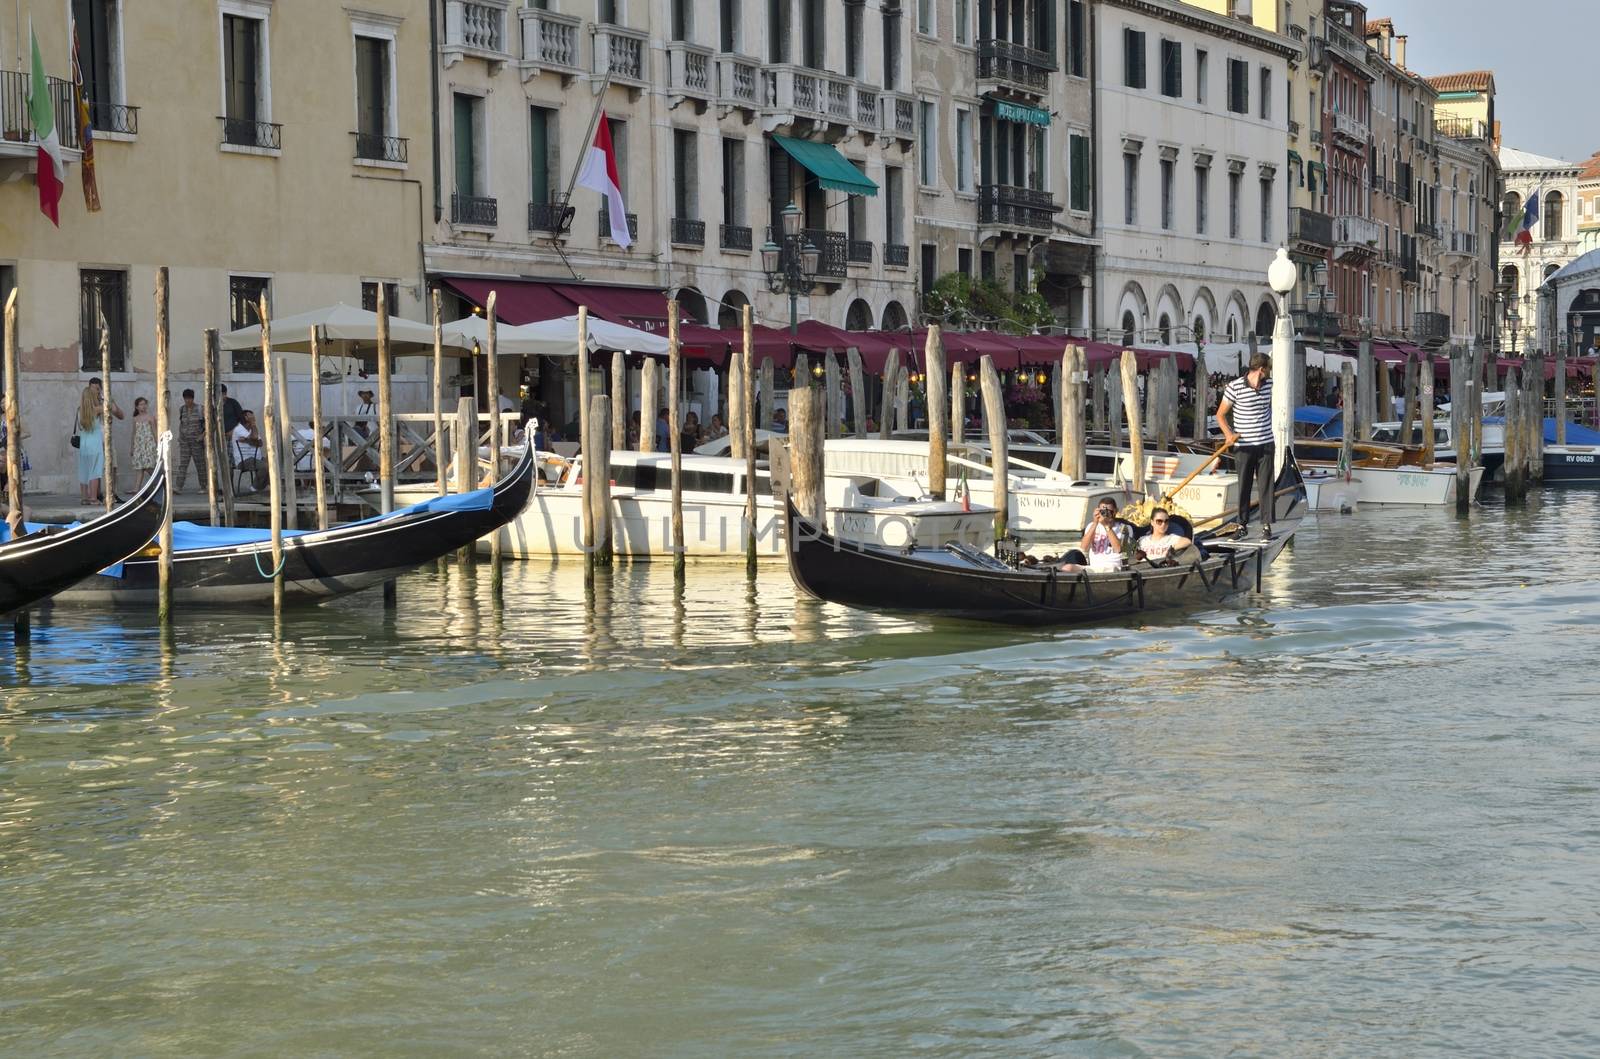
1130, 188
925, 17
377, 126
927, 143
246, 74
963, 149
99, 28
963, 21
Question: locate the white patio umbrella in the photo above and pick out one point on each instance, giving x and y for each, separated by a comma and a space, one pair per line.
346, 332
550, 338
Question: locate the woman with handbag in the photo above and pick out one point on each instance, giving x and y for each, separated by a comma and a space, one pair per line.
91, 445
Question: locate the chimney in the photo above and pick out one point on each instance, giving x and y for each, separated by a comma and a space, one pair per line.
1400, 50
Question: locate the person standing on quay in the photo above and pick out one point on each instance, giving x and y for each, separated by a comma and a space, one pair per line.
89, 425
191, 442
1245, 416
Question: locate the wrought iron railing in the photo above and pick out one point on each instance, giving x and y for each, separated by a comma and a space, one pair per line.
1309, 226
373, 147
834, 246
550, 217
605, 223
1014, 207
478, 210
736, 237
686, 231
1017, 65
897, 255
114, 117
242, 132
860, 252
15, 124
1431, 329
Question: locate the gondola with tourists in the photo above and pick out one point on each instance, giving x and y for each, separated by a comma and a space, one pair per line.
964, 583
229, 565
46, 560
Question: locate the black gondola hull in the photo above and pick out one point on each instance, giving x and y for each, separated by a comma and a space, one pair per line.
316, 565
38, 566
938, 584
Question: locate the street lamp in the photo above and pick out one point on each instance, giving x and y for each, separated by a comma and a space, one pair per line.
791, 266
1513, 318
1281, 277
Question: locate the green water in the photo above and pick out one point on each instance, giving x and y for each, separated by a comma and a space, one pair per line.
1354, 815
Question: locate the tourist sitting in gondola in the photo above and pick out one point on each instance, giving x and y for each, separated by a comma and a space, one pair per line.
1159, 546
1104, 543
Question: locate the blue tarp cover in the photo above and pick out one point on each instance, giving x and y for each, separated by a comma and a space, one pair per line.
190, 535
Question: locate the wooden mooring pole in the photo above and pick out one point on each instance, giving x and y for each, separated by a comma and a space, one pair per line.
649, 389
20, 628
318, 466
675, 435
466, 463
291, 497
958, 404
267, 428
994, 417
858, 390
891, 386
619, 400
385, 420
1073, 376
1347, 435
1460, 430
598, 443
108, 468
208, 416
163, 426
586, 497
938, 410
440, 457
1202, 394
1425, 384
747, 432
1130, 404
805, 458
492, 371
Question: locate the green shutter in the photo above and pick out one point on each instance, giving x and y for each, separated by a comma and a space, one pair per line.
461, 129
539, 152
1080, 172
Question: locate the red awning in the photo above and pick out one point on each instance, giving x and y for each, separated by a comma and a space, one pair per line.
641, 307
517, 301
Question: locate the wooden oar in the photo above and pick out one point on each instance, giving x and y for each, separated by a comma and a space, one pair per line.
1215, 456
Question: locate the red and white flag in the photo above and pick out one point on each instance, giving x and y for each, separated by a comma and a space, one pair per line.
50, 172
600, 173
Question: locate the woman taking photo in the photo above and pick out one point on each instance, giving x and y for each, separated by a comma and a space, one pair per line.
91, 446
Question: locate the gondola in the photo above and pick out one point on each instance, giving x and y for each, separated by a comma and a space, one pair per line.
963, 583
48, 559
223, 566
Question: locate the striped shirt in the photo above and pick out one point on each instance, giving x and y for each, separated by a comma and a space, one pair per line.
1251, 410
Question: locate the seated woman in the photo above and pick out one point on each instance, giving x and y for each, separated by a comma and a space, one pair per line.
1159, 546
1103, 542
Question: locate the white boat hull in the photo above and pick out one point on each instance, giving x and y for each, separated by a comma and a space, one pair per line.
1415, 486
1331, 492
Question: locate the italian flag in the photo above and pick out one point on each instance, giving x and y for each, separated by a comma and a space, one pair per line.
52, 173
599, 172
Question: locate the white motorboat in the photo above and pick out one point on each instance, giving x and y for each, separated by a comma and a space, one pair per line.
714, 521
1039, 500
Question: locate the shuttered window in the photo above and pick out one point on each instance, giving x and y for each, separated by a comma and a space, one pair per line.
1133, 58
1079, 191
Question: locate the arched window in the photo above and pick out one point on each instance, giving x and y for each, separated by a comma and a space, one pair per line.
692, 306
1509, 278
858, 317
730, 314
1511, 206
1265, 319
1552, 216
1166, 330
1128, 327
1233, 330
894, 317
1551, 270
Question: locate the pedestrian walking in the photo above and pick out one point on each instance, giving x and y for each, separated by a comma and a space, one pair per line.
191, 442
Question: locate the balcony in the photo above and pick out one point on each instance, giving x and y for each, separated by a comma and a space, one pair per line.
1456, 242
473, 30
688, 232
1017, 209
1294, 126
257, 135
1347, 128
868, 110
1431, 330
738, 82
1461, 128
900, 116
549, 217
896, 255
474, 211
622, 53
1014, 68
737, 237
1316, 134
796, 94
833, 252
1310, 230
117, 118
16, 128
1410, 271
689, 74
549, 42
859, 252
1425, 230
1346, 43
605, 224
1355, 236
387, 150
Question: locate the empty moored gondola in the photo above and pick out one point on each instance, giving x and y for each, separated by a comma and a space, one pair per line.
216, 565
49, 559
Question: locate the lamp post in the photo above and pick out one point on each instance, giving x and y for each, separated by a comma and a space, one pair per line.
1513, 318
791, 266
1281, 276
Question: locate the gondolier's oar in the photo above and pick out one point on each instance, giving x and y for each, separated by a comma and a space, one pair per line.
1215, 456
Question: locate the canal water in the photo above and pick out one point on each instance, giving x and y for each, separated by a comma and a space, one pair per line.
1355, 815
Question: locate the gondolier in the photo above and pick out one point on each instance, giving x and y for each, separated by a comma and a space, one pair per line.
1245, 416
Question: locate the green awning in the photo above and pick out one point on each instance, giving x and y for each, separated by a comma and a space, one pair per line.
1294, 157
1021, 112
823, 161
